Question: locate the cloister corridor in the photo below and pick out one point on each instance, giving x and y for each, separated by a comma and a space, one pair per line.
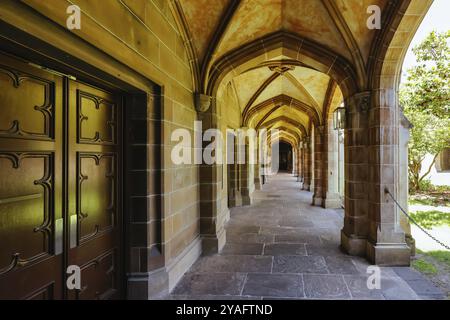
138, 147
281, 247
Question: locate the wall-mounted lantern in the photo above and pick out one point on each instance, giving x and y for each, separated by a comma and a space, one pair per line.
339, 118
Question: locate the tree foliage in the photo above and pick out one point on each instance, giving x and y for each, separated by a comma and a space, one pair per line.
425, 98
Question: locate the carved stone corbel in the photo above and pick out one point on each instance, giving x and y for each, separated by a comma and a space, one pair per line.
202, 102
363, 101
320, 130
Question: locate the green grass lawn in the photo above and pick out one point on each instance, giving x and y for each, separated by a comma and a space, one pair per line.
424, 267
429, 262
430, 219
441, 256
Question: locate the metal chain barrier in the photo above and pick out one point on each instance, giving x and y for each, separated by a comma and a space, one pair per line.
413, 221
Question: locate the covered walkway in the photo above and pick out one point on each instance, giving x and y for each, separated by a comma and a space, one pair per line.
281, 247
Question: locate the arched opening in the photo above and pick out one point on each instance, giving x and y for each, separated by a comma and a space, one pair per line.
286, 157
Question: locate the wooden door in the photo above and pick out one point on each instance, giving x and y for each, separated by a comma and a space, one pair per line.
60, 185
94, 190
31, 220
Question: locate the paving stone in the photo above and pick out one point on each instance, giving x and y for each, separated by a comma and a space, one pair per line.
341, 265
323, 250
299, 264
249, 238
242, 229
407, 273
325, 287
286, 231
243, 248
284, 248
278, 249
273, 285
359, 289
296, 222
233, 263
425, 288
397, 289
210, 284
301, 238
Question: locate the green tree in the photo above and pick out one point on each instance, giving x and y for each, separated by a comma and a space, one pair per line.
425, 98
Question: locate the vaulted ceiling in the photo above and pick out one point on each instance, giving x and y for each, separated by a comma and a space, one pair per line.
278, 90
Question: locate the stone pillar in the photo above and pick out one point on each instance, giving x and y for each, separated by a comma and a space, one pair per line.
319, 166
294, 162
403, 183
300, 162
386, 239
234, 193
257, 177
244, 174
331, 165
212, 230
147, 276
371, 225
355, 231
307, 165
257, 167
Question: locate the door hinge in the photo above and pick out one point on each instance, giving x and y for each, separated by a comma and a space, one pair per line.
52, 71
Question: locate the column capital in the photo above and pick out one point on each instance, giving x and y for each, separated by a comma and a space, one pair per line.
320, 130
360, 102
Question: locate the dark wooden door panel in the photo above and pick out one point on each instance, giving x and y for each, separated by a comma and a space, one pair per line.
94, 189
30, 186
44, 138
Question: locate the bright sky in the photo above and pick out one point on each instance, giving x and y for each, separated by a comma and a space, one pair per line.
437, 19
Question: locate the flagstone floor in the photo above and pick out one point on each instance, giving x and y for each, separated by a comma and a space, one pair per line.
281, 247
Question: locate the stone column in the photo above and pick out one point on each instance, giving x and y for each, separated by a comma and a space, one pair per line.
355, 231
403, 183
319, 166
257, 167
294, 162
307, 165
234, 193
244, 175
331, 165
212, 230
386, 239
300, 162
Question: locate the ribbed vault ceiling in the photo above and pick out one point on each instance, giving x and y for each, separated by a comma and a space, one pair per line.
278, 91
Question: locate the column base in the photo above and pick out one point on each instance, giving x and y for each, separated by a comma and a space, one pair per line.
226, 215
148, 286
246, 200
305, 187
411, 242
352, 245
183, 262
317, 201
235, 200
333, 202
389, 255
258, 185
213, 244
